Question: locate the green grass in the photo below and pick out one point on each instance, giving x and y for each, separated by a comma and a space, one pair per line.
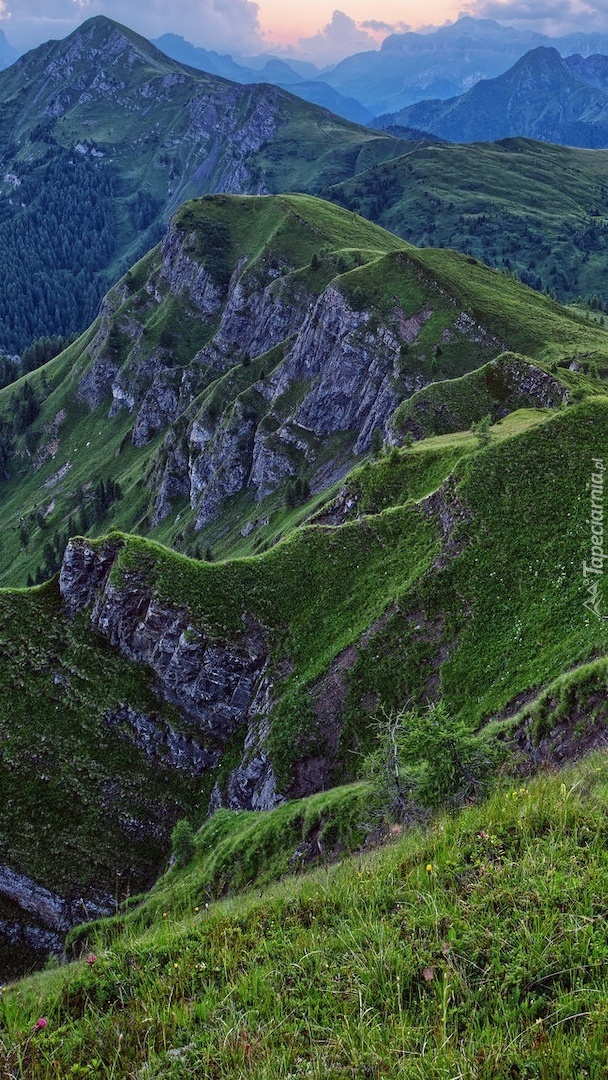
473, 948
498, 621
520, 204
500, 387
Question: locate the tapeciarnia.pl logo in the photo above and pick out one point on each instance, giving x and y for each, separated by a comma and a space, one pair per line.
594, 569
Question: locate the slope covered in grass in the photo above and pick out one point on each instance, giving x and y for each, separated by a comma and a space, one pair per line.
500, 616
474, 948
456, 573
520, 205
212, 380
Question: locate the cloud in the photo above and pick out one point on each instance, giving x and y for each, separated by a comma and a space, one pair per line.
337, 39
377, 26
548, 16
224, 25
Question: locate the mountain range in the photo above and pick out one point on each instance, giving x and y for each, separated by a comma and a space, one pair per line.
543, 96
298, 77
102, 145
227, 401
410, 67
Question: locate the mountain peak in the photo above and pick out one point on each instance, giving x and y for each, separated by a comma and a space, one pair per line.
100, 30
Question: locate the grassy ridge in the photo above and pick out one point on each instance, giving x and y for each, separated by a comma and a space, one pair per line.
485, 623
295, 246
474, 949
507, 609
517, 204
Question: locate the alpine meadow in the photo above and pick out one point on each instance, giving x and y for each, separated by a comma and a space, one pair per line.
303, 613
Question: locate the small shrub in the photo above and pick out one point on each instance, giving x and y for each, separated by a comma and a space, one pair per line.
481, 428
425, 758
182, 840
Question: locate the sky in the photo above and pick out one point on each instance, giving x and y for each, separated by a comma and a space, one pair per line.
315, 30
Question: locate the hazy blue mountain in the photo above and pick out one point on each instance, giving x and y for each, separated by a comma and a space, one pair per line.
254, 69
266, 69
176, 47
8, 55
443, 63
540, 97
591, 69
304, 69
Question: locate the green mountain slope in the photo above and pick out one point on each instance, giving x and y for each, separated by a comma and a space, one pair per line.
518, 205
102, 136
235, 394
475, 948
445, 570
245, 365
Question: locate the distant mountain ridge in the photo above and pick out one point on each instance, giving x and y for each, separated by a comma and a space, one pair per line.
543, 96
408, 68
444, 63
302, 82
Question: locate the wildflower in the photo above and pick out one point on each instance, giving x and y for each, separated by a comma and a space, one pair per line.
196, 909
164, 914
429, 868
40, 1024
91, 959
483, 835
176, 965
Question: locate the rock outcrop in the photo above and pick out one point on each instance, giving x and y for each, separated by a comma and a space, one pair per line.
218, 686
45, 917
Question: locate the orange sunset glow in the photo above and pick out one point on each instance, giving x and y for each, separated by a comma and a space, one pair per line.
282, 24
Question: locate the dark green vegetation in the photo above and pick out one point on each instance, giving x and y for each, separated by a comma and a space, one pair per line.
93, 167
475, 948
537, 211
81, 806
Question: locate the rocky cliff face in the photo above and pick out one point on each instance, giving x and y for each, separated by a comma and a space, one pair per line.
332, 368
213, 684
218, 686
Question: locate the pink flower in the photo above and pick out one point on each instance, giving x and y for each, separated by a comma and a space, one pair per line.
90, 960
40, 1024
